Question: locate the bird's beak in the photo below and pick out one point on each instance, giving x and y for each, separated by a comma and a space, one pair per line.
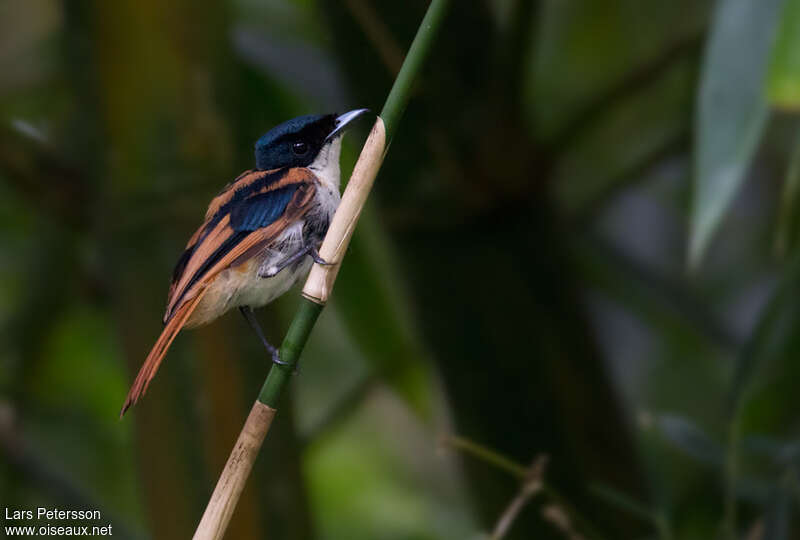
343, 121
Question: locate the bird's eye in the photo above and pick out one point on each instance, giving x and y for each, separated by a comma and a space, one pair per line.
300, 148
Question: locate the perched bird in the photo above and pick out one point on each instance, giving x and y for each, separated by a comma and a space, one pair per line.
259, 235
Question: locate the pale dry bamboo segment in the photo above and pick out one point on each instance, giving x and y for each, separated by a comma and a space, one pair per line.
232, 480
321, 278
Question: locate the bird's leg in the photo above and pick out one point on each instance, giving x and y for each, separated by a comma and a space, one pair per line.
308, 249
250, 317
273, 270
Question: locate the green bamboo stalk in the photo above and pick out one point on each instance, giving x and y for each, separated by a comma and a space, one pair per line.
308, 311
233, 477
292, 346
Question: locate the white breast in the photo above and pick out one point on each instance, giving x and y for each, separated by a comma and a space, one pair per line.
242, 286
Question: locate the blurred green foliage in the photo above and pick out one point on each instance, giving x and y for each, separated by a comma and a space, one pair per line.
784, 68
519, 278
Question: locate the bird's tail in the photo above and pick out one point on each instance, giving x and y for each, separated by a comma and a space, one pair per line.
157, 353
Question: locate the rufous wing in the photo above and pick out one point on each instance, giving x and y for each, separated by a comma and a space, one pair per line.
242, 221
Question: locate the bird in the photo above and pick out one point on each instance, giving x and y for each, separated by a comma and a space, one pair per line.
260, 234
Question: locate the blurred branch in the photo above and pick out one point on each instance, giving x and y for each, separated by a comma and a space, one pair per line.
556, 516
631, 83
522, 473
530, 487
635, 508
378, 34
484, 454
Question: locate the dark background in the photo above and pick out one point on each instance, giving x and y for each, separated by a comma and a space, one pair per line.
520, 277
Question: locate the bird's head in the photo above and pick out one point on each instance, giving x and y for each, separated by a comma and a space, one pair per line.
302, 141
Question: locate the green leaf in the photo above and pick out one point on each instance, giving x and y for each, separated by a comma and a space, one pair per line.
731, 110
783, 84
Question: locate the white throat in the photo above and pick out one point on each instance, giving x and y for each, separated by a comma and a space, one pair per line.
326, 165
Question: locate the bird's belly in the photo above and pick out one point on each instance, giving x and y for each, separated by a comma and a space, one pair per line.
242, 286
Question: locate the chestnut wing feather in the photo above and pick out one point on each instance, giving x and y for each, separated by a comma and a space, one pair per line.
241, 221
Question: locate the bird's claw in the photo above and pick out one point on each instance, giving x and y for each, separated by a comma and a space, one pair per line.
276, 358
317, 259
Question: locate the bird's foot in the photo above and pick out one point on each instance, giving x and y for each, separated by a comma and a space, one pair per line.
317, 259
275, 269
276, 358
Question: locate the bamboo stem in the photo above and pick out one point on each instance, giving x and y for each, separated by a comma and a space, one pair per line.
231, 482
321, 278
319, 285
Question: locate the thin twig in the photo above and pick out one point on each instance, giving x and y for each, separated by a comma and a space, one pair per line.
520, 472
484, 454
582, 522
556, 516
530, 487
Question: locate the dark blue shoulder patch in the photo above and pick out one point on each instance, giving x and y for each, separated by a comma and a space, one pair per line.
261, 210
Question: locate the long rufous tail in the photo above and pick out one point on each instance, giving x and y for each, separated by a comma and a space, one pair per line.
157, 353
